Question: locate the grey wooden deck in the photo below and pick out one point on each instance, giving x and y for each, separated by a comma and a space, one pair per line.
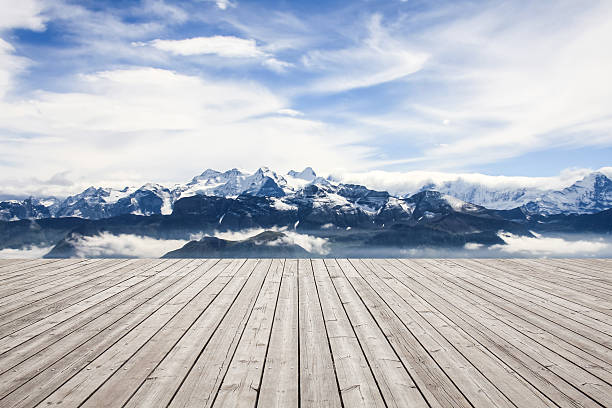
306, 333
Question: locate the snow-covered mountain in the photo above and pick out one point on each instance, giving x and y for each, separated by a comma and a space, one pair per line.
264, 182
95, 203
319, 197
30, 208
590, 195
500, 198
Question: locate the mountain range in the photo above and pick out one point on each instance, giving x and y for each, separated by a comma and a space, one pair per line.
295, 209
590, 195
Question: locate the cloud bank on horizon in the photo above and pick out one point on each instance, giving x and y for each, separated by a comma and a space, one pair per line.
112, 93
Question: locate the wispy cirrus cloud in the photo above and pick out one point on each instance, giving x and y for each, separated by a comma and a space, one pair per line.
11, 65
222, 4
508, 79
377, 59
453, 87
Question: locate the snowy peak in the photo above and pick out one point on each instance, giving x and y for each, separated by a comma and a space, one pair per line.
307, 174
213, 177
591, 194
206, 175
265, 182
30, 208
434, 202
305, 189
598, 182
501, 198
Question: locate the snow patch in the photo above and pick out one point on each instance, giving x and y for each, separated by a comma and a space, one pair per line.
282, 206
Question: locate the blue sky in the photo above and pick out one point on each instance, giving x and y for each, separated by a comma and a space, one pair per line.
123, 92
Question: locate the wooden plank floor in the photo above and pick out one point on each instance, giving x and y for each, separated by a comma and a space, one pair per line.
306, 333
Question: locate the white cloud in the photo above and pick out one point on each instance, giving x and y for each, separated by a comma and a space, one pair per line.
277, 65
411, 181
515, 78
221, 46
10, 66
22, 14
310, 243
378, 59
26, 252
124, 245
549, 246
224, 4
165, 10
224, 46
26, 14
143, 124
103, 31
289, 112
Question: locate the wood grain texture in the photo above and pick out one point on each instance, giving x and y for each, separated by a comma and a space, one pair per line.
306, 333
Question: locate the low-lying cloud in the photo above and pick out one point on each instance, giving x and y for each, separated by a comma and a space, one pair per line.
25, 252
551, 246
128, 245
312, 244
124, 245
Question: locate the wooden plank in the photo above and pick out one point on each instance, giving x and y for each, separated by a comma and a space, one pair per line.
9, 261
473, 333
60, 361
53, 299
484, 379
575, 283
118, 389
543, 368
12, 266
566, 350
436, 386
598, 269
318, 382
399, 380
204, 378
603, 266
43, 274
44, 307
34, 329
574, 332
161, 384
546, 286
24, 348
279, 386
17, 296
22, 269
541, 295
357, 384
241, 383
171, 319
33, 297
